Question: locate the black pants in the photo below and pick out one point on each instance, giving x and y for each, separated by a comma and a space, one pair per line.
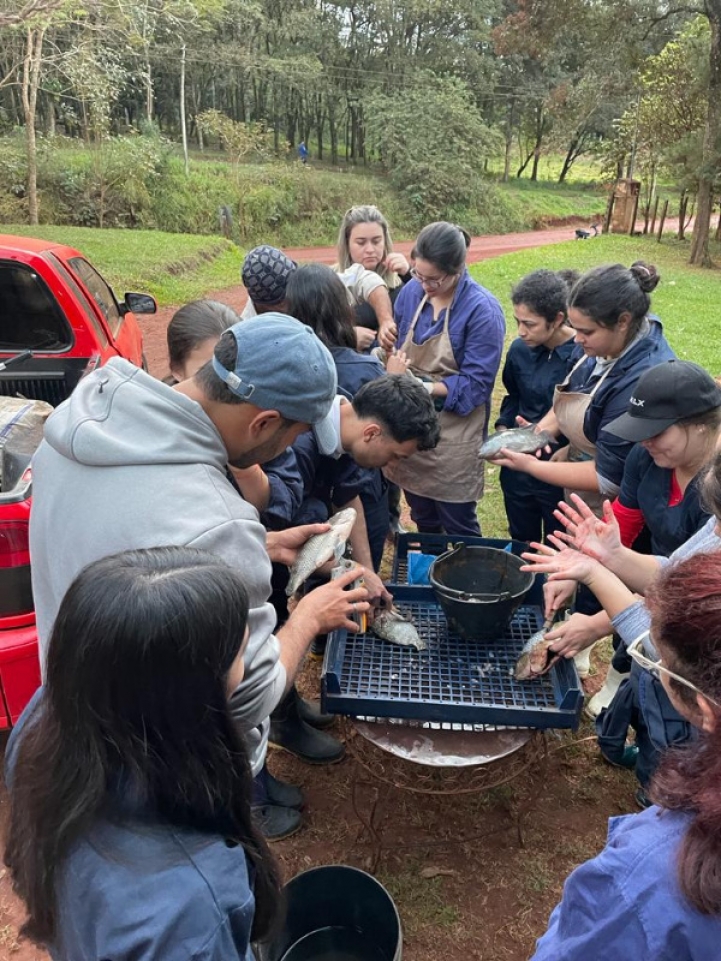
529, 506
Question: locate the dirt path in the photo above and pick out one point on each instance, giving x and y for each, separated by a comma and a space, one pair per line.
482, 248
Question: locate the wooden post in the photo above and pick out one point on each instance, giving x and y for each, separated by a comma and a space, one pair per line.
609, 214
653, 216
646, 217
663, 218
682, 217
632, 225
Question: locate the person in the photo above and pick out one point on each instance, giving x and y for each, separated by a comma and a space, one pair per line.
673, 418
130, 832
192, 334
265, 274
448, 330
303, 152
364, 238
316, 296
537, 360
388, 419
594, 555
128, 462
616, 341
654, 892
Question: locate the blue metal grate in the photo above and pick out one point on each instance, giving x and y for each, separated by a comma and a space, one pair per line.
455, 680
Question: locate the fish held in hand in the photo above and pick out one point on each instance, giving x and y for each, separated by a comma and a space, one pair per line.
321, 548
536, 658
522, 440
397, 628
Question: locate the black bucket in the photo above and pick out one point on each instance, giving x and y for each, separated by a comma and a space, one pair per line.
336, 913
479, 588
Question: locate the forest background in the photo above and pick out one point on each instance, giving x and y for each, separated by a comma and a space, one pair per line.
159, 113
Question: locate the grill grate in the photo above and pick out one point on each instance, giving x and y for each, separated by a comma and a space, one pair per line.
455, 680
52, 389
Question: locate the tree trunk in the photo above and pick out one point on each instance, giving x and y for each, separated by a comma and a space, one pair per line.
711, 141
183, 124
32, 63
148, 88
569, 159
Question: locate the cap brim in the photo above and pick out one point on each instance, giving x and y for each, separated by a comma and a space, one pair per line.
635, 429
326, 435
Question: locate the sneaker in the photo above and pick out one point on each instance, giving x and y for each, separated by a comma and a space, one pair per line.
275, 822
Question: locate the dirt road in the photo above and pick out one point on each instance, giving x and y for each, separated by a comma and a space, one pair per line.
482, 248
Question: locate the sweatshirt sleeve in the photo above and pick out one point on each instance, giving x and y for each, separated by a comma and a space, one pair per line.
478, 359
510, 405
360, 283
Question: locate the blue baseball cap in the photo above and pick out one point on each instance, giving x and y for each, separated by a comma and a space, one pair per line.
281, 365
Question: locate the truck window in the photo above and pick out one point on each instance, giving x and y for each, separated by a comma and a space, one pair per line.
99, 291
30, 317
82, 299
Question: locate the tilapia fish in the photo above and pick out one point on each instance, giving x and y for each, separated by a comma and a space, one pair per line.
321, 548
398, 629
536, 657
523, 440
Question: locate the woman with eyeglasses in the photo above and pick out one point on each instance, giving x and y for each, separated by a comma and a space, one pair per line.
449, 332
654, 892
130, 832
592, 553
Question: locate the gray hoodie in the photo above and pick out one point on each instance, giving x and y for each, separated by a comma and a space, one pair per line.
127, 462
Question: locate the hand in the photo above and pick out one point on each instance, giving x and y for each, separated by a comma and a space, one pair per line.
387, 336
377, 592
556, 595
572, 635
364, 337
514, 461
397, 263
283, 546
560, 565
331, 606
600, 539
398, 362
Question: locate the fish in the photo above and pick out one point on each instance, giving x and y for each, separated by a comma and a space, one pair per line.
523, 440
321, 548
398, 628
536, 657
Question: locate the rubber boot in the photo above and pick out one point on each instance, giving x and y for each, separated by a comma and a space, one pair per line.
311, 713
271, 790
290, 732
582, 660
604, 697
276, 822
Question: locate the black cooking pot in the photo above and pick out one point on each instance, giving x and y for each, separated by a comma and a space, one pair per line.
479, 588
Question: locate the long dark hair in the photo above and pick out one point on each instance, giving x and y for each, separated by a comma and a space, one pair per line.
135, 696
315, 296
604, 293
685, 606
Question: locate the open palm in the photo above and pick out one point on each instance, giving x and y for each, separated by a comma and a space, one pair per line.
599, 539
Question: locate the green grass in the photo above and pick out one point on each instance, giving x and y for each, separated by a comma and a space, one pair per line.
174, 268
544, 202
686, 300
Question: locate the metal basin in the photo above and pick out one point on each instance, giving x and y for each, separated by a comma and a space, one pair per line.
479, 588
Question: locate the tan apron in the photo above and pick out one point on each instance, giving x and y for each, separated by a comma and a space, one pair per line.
570, 409
453, 472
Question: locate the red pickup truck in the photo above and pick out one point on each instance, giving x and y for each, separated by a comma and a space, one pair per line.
58, 320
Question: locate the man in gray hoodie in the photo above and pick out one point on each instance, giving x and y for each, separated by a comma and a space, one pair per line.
128, 462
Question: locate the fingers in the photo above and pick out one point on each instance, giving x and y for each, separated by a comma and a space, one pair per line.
583, 509
310, 530
557, 542
343, 580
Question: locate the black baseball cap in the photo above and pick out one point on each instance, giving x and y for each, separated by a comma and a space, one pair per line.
663, 396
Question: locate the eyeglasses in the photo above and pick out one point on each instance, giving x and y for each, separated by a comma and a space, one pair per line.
641, 654
425, 282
